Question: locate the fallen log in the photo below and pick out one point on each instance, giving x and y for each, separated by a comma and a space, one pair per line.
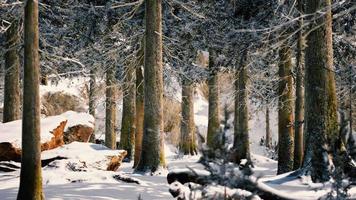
201, 178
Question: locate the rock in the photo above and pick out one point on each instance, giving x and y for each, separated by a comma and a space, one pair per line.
9, 152
115, 161
56, 103
57, 139
78, 133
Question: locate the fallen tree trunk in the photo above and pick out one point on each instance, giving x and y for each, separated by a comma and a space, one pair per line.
191, 176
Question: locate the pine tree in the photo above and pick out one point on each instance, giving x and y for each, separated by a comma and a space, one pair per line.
213, 116
187, 141
139, 107
268, 130
241, 139
110, 108
12, 74
128, 123
321, 105
30, 177
92, 92
285, 112
299, 93
152, 155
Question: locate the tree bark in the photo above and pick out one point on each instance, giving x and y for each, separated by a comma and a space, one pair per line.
213, 140
30, 177
128, 123
241, 139
285, 112
268, 130
139, 108
321, 105
187, 141
92, 91
110, 108
12, 73
152, 155
299, 102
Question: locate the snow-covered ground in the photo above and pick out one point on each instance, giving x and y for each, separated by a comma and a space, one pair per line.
83, 176
12, 131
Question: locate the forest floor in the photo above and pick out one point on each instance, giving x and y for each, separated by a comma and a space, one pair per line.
66, 179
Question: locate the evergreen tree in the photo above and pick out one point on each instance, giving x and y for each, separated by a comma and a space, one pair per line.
241, 139
110, 108
152, 155
128, 123
213, 140
187, 141
12, 74
30, 177
285, 112
321, 105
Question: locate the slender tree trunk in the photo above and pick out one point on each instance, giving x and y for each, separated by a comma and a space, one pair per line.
110, 116
92, 89
128, 123
320, 94
268, 130
213, 139
139, 108
187, 141
31, 178
241, 140
12, 81
351, 140
152, 155
299, 93
285, 112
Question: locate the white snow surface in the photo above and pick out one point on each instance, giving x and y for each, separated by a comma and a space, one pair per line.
82, 176
12, 131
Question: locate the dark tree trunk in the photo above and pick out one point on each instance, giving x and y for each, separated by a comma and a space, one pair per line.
241, 139
139, 107
110, 116
321, 105
152, 155
268, 130
285, 112
31, 178
187, 141
12, 83
92, 92
128, 123
213, 137
299, 101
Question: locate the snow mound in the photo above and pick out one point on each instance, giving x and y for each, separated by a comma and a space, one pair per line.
12, 131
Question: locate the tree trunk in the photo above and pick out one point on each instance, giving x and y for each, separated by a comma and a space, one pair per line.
92, 89
320, 92
12, 83
285, 112
213, 139
128, 123
299, 102
139, 108
152, 155
31, 178
268, 130
241, 139
110, 116
187, 131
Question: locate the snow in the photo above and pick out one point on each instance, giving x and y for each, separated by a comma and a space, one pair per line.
82, 174
73, 86
12, 131
59, 182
